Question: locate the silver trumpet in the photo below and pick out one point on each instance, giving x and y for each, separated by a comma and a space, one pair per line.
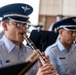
36, 53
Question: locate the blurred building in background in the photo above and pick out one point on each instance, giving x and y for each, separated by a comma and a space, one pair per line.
48, 10
45, 11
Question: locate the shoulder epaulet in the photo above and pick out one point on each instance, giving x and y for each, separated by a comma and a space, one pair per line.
1, 42
28, 46
52, 46
55, 44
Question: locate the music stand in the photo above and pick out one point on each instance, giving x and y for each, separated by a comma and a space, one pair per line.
42, 39
16, 69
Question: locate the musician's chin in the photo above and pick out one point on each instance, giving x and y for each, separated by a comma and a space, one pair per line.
20, 38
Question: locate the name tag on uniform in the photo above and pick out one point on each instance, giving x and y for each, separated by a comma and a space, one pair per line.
8, 61
61, 57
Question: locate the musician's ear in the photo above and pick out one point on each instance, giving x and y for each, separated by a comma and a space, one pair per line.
4, 25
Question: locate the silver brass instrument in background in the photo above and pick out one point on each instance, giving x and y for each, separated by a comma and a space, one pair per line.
36, 53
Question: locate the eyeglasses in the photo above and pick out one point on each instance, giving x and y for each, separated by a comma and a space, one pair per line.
18, 23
